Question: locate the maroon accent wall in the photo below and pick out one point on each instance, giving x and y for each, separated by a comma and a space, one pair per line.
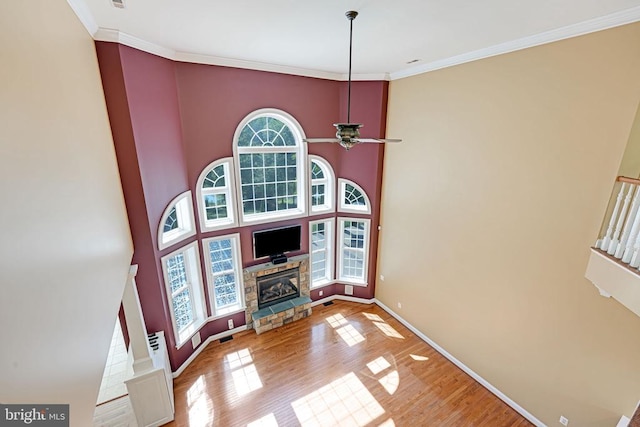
121, 119
171, 119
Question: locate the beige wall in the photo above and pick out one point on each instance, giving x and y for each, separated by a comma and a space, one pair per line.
504, 175
65, 246
630, 165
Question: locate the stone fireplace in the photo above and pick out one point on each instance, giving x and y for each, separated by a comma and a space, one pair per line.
277, 294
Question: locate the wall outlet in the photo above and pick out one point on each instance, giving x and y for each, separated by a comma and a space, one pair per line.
320, 293
230, 322
348, 289
382, 278
564, 420
196, 340
399, 305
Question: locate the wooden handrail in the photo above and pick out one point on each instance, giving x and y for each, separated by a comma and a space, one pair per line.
635, 181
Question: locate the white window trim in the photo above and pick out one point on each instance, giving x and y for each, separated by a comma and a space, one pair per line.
194, 279
339, 247
186, 221
329, 183
301, 169
343, 207
237, 255
330, 253
228, 190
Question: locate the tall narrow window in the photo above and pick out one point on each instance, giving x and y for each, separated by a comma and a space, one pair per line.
352, 198
321, 250
353, 250
271, 165
177, 221
224, 274
215, 196
183, 281
322, 185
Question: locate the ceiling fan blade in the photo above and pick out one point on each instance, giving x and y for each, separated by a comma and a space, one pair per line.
377, 140
312, 140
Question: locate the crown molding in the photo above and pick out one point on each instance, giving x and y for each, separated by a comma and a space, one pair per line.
253, 65
115, 36
110, 35
84, 15
624, 17
597, 24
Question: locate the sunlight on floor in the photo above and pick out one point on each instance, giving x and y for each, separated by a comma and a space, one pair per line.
238, 358
246, 380
378, 365
345, 401
336, 320
350, 335
374, 317
390, 382
388, 423
388, 330
245, 375
200, 405
347, 332
266, 421
419, 358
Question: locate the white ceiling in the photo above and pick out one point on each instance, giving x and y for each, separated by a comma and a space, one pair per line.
311, 38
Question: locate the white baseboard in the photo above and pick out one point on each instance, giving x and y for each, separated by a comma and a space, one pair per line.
202, 346
465, 368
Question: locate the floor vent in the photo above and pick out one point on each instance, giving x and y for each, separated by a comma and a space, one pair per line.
225, 339
327, 303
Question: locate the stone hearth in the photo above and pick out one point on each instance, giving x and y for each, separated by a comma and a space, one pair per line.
281, 313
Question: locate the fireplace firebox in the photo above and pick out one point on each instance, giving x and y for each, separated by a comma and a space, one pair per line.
278, 287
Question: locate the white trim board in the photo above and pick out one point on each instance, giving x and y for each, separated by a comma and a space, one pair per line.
486, 384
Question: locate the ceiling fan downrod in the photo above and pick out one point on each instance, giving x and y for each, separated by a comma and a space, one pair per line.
351, 15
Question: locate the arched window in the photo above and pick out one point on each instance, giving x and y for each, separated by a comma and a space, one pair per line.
177, 221
322, 185
352, 198
270, 159
216, 207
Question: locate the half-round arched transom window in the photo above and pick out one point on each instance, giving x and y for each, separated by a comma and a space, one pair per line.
270, 159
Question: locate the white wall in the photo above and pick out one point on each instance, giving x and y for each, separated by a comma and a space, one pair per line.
65, 247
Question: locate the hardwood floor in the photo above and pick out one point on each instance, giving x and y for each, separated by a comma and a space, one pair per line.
348, 364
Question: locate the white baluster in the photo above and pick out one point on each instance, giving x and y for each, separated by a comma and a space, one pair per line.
604, 244
621, 218
635, 257
631, 226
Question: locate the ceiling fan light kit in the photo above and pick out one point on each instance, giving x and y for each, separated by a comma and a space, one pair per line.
348, 134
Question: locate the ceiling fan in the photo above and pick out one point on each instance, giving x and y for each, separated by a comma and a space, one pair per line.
348, 134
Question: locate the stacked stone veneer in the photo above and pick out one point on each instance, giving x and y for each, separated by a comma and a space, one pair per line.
283, 317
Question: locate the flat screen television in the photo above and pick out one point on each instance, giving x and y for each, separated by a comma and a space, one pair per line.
276, 241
